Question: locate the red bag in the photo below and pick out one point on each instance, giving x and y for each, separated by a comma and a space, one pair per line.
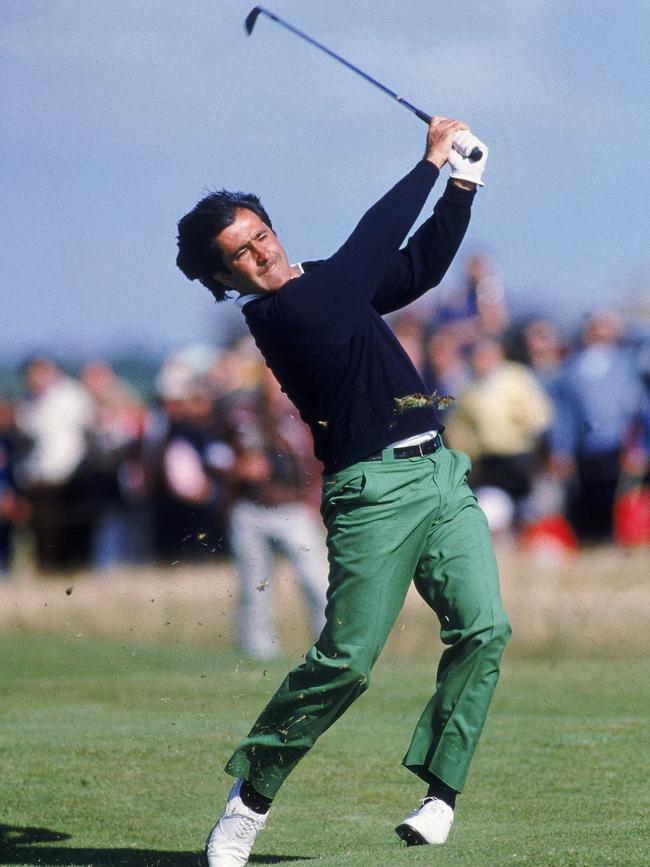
632, 517
551, 531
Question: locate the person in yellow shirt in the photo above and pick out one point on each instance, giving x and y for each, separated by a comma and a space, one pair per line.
498, 421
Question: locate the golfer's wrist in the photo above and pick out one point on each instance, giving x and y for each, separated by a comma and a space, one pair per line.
436, 159
463, 184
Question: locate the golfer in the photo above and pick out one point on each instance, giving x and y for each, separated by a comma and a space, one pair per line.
395, 501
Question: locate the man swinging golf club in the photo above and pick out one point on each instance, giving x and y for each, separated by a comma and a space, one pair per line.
395, 501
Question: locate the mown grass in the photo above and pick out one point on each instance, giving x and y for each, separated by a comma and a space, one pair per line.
112, 754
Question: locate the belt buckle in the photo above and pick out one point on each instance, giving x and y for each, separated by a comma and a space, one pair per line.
420, 448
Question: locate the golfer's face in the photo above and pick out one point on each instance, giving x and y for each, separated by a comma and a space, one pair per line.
254, 258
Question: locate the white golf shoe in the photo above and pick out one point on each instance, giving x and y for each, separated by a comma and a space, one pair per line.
232, 838
429, 823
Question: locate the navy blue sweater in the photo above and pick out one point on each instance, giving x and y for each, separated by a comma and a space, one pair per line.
323, 336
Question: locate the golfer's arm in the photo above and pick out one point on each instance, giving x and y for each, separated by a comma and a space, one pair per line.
329, 301
424, 261
359, 265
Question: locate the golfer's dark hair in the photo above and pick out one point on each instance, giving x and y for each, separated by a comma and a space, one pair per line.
199, 257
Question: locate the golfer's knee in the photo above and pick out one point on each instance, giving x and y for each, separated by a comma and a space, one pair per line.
499, 634
339, 666
488, 636
360, 677
355, 674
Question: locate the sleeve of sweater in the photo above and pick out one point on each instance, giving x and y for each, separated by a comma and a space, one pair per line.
424, 261
329, 300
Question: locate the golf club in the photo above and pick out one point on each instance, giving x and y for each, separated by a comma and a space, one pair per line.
474, 156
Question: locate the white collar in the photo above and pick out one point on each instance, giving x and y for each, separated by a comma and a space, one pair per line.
243, 300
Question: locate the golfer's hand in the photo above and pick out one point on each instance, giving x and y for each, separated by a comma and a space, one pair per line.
440, 137
462, 168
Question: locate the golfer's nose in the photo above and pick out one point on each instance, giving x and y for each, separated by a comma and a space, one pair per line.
260, 254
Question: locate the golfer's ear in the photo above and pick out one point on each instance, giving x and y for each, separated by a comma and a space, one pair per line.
224, 277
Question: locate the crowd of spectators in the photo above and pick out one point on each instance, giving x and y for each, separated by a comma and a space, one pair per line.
220, 465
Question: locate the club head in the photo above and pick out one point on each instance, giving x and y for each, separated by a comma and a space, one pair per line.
251, 18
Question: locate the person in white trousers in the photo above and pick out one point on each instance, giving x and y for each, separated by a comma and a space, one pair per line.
272, 512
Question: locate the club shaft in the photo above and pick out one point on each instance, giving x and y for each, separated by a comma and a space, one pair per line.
417, 111
474, 156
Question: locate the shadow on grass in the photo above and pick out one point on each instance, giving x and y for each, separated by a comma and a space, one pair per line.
25, 846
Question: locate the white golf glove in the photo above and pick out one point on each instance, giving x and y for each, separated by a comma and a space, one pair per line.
461, 167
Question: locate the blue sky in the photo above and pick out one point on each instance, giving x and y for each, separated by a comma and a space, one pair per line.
118, 116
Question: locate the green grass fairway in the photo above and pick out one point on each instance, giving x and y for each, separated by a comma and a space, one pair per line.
112, 755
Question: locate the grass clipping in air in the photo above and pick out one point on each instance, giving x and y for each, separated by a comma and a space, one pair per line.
417, 401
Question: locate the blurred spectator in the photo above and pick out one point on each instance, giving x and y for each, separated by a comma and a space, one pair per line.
273, 487
498, 421
636, 456
14, 509
54, 419
546, 532
106, 480
632, 506
642, 429
447, 374
239, 368
186, 497
409, 330
545, 353
485, 284
114, 468
600, 398
479, 309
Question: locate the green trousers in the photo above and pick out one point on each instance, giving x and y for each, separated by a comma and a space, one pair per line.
388, 523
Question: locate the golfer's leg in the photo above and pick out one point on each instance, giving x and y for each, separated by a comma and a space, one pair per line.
374, 538
254, 563
458, 578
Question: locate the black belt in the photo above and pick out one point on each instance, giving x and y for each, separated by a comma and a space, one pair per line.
416, 451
